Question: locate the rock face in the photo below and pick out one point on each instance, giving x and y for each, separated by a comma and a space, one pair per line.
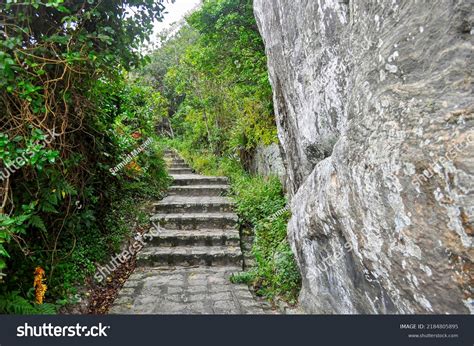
375, 114
267, 161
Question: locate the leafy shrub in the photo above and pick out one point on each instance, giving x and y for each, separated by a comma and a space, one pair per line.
63, 73
213, 73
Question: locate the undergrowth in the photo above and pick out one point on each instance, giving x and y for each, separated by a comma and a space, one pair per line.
90, 237
69, 114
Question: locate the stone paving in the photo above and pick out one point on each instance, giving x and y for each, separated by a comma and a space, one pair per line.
185, 268
185, 290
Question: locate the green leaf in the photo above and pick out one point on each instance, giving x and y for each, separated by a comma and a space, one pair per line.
47, 207
63, 9
37, 222
105, 38
8, 221
3, 252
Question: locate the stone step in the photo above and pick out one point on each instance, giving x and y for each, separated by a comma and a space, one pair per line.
177, 161
178, 165
180, 170
190, 256
173, 159
170, 163
200, 237
193, 204
196, 179
189, 221
198, 190
173, 156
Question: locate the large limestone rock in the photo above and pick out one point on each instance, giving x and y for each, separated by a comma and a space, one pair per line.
267, 161
375, 117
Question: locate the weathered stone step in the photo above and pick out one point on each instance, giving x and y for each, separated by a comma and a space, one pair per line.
178, 165
172, 160
193, 204
170, 163
191, 221
177, 160
196, 179
180, 170
198, 190
190, 256
200, 237
173, 156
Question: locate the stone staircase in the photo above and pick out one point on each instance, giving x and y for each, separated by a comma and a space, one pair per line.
198, 226
186, 266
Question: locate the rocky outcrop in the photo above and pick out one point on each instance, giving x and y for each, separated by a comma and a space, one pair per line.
374, 105
267, 161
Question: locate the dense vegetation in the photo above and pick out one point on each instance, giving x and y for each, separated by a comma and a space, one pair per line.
213, 73
69, 115
215, 76
77, 97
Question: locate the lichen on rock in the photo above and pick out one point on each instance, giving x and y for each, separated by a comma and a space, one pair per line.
369, 97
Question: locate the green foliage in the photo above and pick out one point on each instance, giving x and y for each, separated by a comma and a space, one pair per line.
13, 303
68, 114
257, 198
259, 205
164, 58
214, 75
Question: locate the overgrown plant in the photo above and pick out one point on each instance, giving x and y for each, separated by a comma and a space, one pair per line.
259, 203
62, 71
213, 73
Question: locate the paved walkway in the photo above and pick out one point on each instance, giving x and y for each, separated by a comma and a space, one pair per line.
185, 268
185, 290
